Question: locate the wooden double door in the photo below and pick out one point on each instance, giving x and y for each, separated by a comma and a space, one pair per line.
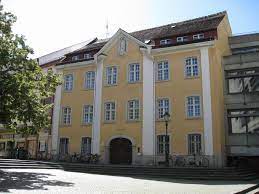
120, 151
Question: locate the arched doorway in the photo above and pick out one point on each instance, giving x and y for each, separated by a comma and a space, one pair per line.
120, 151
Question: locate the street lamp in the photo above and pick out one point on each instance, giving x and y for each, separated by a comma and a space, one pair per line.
166, 117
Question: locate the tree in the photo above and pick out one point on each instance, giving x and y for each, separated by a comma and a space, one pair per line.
23, 85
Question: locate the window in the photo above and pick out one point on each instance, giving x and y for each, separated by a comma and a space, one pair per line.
2, 146
87, 56
63, 146
193, 106
109, 111
198, 36
68, 82
163, 71
194, 144
89, 80
165, 41
133, 110
191, 67
243, 121
67, 115
134, 72
246, 81
88, 114
111, 75
86, 145
122, 46
182, 39
75, 58
161, 144
163, 107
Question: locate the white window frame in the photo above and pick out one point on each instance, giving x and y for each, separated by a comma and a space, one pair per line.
89, 80
191, 64
68, 83
111, 111
163, 71
135, 110
135, 72
75, 58
88, 114
195, 142
198, 36
162, 152
87, 56
88, 145
160, 117
66, 116
182, 39
112, 78
166, 41
194, 107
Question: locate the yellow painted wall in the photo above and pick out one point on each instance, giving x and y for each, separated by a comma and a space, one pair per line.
177, 89
76, 99
120, 94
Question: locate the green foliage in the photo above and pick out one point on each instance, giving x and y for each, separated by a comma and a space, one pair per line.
23, 85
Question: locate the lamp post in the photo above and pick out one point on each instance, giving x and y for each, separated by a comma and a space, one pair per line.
166, 117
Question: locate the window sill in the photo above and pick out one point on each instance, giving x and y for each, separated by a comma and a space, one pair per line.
191, 77
162, 81
109, 122
88, 89
162, 120
133, 121
110, 85
86, 124
136, 82
67, 91
193, 118
63, 125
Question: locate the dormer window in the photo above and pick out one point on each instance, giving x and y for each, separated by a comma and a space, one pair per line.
87, 56
75, 58
198, 36
182, 39
165, 41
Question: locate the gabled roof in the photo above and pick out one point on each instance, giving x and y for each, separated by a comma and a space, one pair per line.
115, 36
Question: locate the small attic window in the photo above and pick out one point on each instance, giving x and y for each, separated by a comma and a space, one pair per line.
198, 36
75, 58
87, 56
165, 41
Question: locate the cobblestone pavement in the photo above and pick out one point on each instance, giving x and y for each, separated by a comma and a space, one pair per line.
59, 181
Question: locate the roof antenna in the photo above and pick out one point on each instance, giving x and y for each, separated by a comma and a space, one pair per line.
107, 28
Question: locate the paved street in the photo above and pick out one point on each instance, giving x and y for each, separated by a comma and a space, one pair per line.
59, 181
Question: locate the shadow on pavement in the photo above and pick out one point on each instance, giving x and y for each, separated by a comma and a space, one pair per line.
27, 181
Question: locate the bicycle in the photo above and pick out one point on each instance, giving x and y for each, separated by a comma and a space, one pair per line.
198, 161
178, 161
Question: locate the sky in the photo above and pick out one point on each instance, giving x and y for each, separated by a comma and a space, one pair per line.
50, 25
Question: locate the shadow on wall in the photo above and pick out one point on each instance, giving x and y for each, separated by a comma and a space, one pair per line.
27, 181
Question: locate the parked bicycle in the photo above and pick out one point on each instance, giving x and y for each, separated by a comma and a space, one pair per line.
198, 160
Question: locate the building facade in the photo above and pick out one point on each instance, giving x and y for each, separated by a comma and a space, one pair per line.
242, 96
116, 91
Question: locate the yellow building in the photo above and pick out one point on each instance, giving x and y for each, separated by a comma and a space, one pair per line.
116, 91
